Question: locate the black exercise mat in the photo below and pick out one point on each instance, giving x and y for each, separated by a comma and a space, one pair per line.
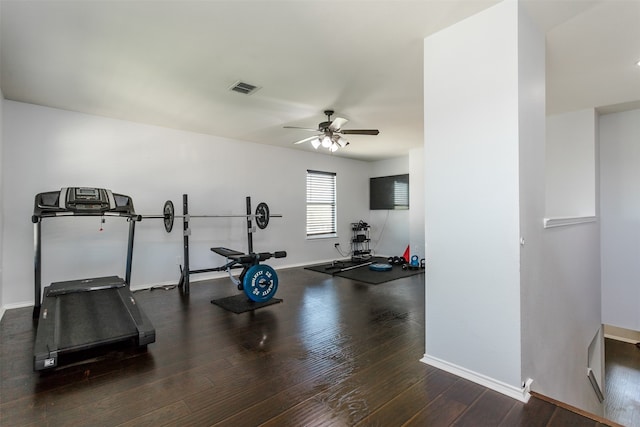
335, 267
240, 303
363, 274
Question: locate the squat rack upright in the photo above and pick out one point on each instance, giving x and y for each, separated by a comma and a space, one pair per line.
185, 271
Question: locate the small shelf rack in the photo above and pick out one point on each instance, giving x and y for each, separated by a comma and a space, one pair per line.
360, 250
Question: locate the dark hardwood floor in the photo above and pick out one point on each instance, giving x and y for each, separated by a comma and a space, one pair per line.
335, 352
622, 378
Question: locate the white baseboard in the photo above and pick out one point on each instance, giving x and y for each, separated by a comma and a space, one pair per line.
6, 307
520, 394
22, 304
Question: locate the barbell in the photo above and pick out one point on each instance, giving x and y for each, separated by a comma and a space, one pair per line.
261, 216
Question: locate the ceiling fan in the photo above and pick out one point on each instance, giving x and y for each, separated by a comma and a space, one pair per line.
330, 133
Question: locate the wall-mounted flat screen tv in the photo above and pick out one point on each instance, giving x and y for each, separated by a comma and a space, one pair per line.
389, 192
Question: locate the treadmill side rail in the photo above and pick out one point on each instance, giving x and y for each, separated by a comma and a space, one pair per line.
146, 331
45, 350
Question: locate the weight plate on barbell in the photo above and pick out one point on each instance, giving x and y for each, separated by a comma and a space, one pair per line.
260, 283
169, 215
262, 215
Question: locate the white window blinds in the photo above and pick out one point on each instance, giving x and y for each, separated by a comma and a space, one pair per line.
321, 203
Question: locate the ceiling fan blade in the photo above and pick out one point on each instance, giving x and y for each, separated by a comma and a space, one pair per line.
306, 139
337, 123
299, 128
360, 132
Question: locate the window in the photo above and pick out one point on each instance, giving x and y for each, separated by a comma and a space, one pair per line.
400, 195
321, 203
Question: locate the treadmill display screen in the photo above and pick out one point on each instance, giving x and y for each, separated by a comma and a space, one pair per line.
87, 200
87, 193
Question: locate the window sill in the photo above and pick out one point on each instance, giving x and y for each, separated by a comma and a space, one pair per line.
323, 236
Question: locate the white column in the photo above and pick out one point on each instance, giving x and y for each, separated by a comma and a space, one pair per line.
484, 108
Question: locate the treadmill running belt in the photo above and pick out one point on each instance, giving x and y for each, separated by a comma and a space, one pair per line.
93, 317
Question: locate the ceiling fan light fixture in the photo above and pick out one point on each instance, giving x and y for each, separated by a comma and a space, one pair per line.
329, 133
342, 142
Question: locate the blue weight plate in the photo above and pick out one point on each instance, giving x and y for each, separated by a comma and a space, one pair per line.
260, 283
380, 267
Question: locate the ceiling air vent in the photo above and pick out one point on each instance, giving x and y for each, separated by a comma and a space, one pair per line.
244, 88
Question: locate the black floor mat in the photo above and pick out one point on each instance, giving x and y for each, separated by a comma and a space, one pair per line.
363, 274
240, 303
335, 266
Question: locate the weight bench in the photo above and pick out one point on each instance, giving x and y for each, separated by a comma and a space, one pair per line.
258, 281
242, 258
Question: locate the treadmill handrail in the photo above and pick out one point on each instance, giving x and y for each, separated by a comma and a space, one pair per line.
86, 285
36, 218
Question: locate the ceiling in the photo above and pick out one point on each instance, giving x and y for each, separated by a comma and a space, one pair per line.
171, 63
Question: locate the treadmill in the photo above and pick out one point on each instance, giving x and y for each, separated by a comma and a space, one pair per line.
83, 314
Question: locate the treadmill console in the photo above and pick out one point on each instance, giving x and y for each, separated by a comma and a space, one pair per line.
87, 199
81, 201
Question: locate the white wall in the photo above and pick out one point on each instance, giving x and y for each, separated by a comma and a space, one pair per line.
416, 202
390, 228
570, 164
565, 315
561, 290
1, 208
531, 162
472, 197
46, 149
620, 223
1, 202
499, 312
